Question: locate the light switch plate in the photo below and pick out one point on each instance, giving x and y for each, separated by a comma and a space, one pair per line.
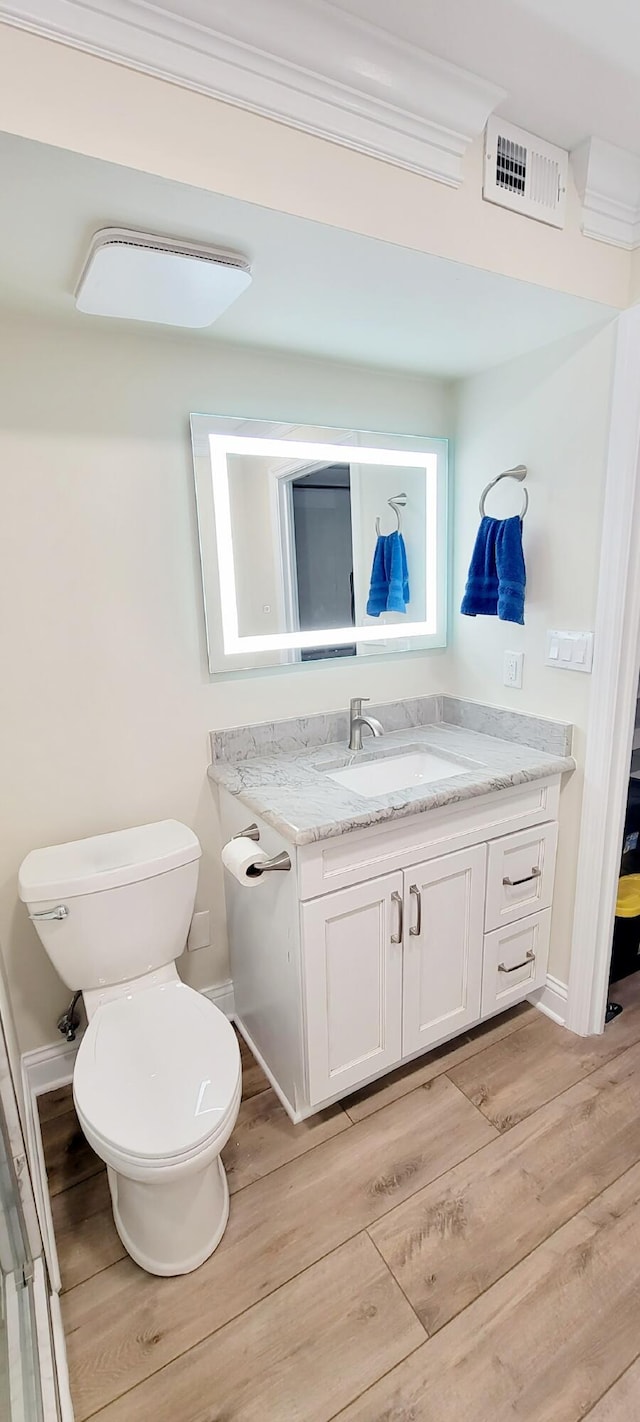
570, 651
512, 669
200, 931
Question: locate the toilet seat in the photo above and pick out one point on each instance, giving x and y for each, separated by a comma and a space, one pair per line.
157, 1078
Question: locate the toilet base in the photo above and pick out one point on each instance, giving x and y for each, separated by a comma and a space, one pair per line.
171, 1228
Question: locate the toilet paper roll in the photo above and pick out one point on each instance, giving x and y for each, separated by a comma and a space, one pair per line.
239, 856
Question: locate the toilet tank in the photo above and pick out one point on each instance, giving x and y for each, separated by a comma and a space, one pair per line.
115, 906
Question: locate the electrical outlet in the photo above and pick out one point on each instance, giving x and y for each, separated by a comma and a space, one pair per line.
200, 931
512, 669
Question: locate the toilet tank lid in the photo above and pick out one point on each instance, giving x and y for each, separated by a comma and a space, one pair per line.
106, 861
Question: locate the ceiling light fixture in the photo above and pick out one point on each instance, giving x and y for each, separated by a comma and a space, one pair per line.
140, 277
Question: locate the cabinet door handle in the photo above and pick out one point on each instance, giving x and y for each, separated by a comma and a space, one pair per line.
396, 898
513, 883
530, 958
417, 929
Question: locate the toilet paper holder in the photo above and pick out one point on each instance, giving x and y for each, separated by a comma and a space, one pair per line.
281, 862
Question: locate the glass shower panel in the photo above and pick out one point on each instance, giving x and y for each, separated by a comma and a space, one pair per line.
20, 1396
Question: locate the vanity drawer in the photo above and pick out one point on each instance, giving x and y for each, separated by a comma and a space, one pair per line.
515, 961
520, 874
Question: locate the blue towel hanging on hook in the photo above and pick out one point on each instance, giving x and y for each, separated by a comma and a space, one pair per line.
497, 575
389, 590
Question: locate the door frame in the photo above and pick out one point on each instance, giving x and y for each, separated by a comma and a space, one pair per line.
616, 669
281, 483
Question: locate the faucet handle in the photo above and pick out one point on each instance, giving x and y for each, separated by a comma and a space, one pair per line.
356, 703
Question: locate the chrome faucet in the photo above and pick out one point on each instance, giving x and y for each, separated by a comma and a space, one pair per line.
357, 721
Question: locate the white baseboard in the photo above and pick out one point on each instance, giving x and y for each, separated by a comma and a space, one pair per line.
222, 996
44, 1070
60, 1359
49, 1067
552, 999
47, 1359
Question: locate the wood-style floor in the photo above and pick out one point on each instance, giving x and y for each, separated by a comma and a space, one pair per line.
461, 1241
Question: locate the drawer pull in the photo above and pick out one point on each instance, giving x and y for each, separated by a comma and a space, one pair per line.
513, 883
530, 958
417, 929
396, 898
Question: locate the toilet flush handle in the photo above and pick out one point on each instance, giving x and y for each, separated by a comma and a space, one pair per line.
60, 911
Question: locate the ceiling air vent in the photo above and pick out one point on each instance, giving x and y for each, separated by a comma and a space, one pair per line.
524, 173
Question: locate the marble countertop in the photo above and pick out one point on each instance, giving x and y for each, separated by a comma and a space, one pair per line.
294, 794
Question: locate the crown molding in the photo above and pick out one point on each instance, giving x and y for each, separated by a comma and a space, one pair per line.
306, 63
608, 182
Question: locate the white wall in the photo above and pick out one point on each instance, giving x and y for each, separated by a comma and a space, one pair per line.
257, 581
549, 411
62, 96
105, 702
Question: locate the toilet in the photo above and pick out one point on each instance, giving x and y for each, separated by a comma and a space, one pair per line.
157, 1079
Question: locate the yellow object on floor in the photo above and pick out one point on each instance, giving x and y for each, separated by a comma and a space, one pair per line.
628, 900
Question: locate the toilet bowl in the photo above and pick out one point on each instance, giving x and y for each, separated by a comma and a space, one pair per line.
156, 1087
157, 1078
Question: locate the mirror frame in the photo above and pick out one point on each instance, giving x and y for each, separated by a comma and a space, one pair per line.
216, 437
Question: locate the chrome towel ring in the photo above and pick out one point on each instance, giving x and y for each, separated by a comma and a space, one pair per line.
399, 501
519, 473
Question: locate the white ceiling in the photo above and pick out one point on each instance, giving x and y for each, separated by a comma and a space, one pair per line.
570, 67
316, 290
611, 31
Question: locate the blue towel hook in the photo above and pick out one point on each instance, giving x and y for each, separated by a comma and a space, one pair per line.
519, 473
398, 499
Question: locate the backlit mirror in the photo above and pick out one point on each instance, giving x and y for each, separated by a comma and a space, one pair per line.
318, 543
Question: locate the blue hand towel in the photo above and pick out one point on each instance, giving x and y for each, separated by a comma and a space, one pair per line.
395, 561
379, 588
497, 575
389, 590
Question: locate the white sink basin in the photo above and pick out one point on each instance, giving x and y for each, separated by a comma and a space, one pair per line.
400, 772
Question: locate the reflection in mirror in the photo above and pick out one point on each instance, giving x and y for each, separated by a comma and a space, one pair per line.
318, 544
322, 588
306, 573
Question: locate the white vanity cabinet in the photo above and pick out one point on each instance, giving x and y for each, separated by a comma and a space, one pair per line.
383, 942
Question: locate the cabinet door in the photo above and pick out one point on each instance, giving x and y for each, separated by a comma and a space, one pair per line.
444, 913
352, 984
